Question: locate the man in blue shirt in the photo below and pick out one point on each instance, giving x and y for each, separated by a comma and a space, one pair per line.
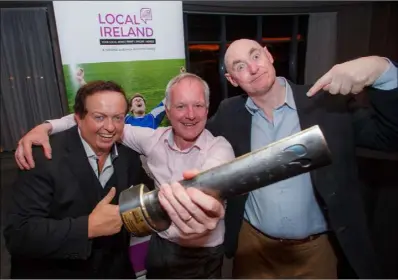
137, 116
285, 230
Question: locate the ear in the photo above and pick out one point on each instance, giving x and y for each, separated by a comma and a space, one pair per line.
78, 119
230, 79
268, 55
167, 111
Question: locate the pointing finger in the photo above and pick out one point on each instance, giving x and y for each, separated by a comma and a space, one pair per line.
320, 84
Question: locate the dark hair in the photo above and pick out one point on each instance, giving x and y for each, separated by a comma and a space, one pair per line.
135, 96
91, 88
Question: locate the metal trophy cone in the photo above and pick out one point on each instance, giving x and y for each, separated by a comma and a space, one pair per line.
302, 152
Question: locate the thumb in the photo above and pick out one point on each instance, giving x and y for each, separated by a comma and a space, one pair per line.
189, 174
109, 197
47, 149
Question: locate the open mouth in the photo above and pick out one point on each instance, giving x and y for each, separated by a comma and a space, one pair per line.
189, 124
106, 136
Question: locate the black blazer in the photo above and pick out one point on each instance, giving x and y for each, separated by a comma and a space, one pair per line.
46, 227
337, 186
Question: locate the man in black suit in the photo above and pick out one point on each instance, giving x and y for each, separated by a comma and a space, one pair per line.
63, 220
286, 230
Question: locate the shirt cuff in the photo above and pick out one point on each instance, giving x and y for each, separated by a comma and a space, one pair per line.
389, 79
57, 126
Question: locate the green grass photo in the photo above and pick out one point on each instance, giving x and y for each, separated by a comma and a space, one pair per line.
148, 77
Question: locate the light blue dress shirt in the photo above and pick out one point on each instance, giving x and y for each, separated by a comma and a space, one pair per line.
288, 209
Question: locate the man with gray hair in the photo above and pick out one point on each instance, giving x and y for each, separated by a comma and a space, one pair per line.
192, 246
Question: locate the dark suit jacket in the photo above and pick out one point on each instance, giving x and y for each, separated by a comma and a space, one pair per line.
46, 226
337, 186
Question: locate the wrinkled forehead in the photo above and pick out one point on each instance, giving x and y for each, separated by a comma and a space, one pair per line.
240, 50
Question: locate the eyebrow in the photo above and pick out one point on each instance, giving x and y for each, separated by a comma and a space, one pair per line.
103, 114
236, 62
252, 50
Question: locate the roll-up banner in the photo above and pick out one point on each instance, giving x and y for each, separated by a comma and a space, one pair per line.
138, 44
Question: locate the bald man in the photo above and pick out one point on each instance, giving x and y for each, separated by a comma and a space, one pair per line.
300, 227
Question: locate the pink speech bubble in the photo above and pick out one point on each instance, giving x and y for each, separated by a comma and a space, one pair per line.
146, 14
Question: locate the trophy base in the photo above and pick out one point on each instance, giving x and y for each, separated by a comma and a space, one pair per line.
139, 216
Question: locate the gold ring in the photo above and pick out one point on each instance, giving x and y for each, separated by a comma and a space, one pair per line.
187, 220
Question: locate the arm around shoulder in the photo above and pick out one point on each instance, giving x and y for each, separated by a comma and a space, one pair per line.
62, 124
140, 139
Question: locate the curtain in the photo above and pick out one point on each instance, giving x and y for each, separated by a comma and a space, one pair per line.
29, 85
321, 45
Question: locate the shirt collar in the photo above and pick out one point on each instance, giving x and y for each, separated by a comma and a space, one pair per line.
90, 153
289, 100
200, 142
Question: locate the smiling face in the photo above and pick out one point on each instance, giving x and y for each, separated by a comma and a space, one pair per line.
138, 105
187, 111
250, 66
103, 123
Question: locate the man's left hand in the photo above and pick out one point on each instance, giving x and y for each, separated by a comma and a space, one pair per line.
351, 76
192, 211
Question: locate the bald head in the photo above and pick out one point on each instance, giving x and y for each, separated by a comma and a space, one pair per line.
236, 49
249, 66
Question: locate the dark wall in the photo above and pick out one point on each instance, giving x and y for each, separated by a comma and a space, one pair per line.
384, 30
367, 28
264, 7
353, 31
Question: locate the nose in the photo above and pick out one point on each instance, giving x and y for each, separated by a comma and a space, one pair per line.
109, 125
190, 113
253, 67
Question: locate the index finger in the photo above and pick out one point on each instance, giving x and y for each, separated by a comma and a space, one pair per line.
320, 84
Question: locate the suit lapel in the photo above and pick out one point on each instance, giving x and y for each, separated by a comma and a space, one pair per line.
242, 128
81, 168
311, 111
242, 135
120, 167
306, 110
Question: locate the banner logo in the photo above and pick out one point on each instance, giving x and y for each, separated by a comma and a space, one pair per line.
126, 29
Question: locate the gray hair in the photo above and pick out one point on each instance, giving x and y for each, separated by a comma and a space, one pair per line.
181, 77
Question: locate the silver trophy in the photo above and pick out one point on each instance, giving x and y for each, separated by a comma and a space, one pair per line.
302, 152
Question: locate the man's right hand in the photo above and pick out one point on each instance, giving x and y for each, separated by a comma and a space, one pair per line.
105, 219
37, 136
193, 212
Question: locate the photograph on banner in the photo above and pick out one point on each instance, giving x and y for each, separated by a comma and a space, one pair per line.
148, 78
138, 44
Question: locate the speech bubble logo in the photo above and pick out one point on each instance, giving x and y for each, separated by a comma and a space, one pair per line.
146, 14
